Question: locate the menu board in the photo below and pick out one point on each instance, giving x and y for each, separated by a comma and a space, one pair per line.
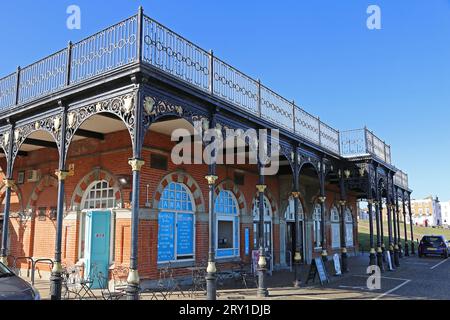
166, 236
185, 228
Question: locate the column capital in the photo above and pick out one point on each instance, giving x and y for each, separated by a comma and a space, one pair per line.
9, 183
295, 194
370, 201
261, 188
322, 199
342, 202
344, 250
136, 164
61, 174
211, 179
297, 256
376, 202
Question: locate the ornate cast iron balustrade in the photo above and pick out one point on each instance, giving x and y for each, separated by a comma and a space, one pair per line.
140, 39
401, 179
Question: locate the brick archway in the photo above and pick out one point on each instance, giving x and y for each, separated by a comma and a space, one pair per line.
45, 181
188, 181
14, 189
95, 175
229, 185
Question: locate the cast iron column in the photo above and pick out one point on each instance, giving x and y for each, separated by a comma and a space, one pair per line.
136, 163
211, 287
399, 236
322, 200
296, 195
61, 173
394, 220
413, 250
405, 228
9, 183
372, 259
379, 250
383, 247
133, 280
389, 221
262, 263
342, 203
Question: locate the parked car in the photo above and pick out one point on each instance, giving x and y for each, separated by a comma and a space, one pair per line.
434, 245
13, 287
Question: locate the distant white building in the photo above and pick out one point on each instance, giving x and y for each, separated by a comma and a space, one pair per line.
445, 213
427, 212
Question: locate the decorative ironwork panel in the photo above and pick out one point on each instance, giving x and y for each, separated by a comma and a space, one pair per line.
378, 148
277, 109
353, 143
50, 124
329, 137
43, 77
233, 86
388, 154
123, 106
307, 125
175, 55
8, 91
106, 50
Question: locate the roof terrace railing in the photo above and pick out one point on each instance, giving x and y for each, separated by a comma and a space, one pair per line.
142, 39
361, 142
401, 179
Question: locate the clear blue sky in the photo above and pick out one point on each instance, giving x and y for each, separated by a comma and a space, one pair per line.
395, 80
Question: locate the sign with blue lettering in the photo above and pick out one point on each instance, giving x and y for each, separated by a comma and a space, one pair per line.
185, 228
247, 241
166, 236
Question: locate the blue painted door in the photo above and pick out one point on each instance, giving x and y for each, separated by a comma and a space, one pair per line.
98, 226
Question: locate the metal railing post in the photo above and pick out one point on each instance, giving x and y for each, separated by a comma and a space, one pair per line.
140, 27
320, 132
69, 63
259, 98
17, 85
339, 142
293, 115
211, 72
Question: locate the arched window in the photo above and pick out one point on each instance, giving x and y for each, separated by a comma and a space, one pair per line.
335, 230
317, 218
267, 223
175, 224
99, 195
290, 211
227, 225
348, 228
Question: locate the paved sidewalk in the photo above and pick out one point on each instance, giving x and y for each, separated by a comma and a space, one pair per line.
415, 279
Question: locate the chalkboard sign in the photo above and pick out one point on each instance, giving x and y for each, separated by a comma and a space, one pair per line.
317, 268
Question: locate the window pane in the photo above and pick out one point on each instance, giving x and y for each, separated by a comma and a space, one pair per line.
225, 235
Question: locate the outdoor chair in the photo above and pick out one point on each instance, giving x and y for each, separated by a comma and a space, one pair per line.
119, 275
104, 288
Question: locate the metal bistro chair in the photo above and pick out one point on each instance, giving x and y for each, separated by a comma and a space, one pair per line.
168, 282
245, 275
120, 275
104, 288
